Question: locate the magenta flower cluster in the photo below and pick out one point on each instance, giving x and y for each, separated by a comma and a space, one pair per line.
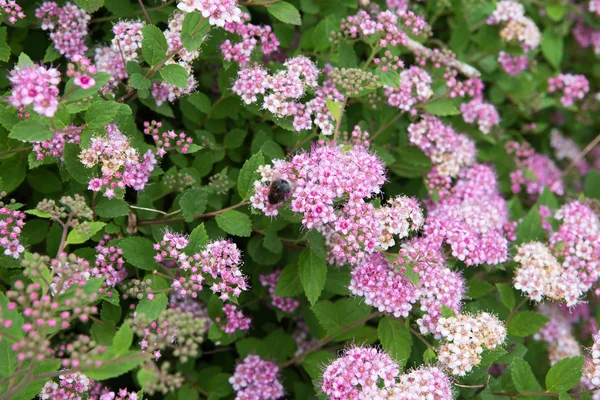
68, 26
37, 86
252, 36
167, 140
10, 9
11, 226
515, 25
109, 263
512, 65
220, 261
55, 146
70, 387
234, 320
485, 114
573, 87
285, 304
256, 379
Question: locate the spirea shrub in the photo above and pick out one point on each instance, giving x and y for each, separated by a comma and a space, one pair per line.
299, 199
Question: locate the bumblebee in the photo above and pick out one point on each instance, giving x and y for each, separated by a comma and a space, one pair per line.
279, 191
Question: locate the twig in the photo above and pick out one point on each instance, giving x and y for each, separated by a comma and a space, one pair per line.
328, 339
581, 155
339, 120
205, 215
156, 211
15, 150
385, 126
63, 238
514, 310
148, 20
464, 68
421, 338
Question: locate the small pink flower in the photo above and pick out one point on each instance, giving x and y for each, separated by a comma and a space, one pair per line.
84, 81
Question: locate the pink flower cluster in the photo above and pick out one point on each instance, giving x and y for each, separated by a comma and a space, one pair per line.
256, 379
128, 39
541, 275
68, 26
385, 26
218, 12
586, 35
12, 10
448, 150
220, 260
80, 71
512, 65
594, 6
70, 387
109, 263
320, 179
11, 226
365, 373
566, 149
516, 27
485, 114
167, 140
234, 320
558, 333
415, 88
119, 163
110, 61
573, 87
55, 146
465, 338
173, 36
535, 171
285, 304
37, 86
591, 369
163, 91
68, 271
252, 35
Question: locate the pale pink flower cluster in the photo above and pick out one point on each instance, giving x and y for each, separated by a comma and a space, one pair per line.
472, 217
438, 285
586, 35
398, 5
11, 226
327, 174
541, 275
109, 263
235, 320
591, 369
70, 387
364, 373
80, 71
465, 338
219, 261
218, 12
515, 25
12, 10
535, 171
120, 164
55, 146
128, 39
565, 148
285, 304
512, 65
485, 114
256, 379
448, 150
252, 36
415, 88
35, 85
68, 271
122, 394
594, 6
68, 26
573, 87
167, 140
557, 333
577, 242
385, 26
110, 61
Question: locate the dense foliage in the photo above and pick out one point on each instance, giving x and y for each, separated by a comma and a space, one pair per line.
334, 199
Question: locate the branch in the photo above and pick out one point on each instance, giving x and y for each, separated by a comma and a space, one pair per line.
582, 155
205, 215
15, 150
464, 68
148, 20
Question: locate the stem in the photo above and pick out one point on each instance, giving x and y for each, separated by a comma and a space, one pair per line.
212, 108
421, 338
205, 215
63, 238
462, 67
15, 150
156, 211
26, 381
581, 155
374, 51
514, 310
339, 120
148, 20
385, 126
328, 339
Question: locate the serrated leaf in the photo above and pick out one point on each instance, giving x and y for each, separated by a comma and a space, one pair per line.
526, 323
507, 295
478, 288
522, 376
111, 208
30, 131
139, 252
313, 273
530, 228
447, 312
113, 366
289, 284
78, 236
139, 81
389, 78
153, 308
90, 6
285, 12
154, 45
198, 240
565, 374
193, 202
248, 175
194, 30
123, 340
441, 108
4, 47
395, 339
101, 113
175, 74
235, 223
272, 242
200, 101
591, 186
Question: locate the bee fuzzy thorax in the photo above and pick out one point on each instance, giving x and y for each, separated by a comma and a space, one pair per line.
279, 191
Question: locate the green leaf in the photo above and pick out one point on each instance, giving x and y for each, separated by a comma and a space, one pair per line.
4, 47
30, 131
478, 288
322, 33
78, 171
317, 243
389, 77
200, 101
193, 202
313, 363
313, 273
441, 108
198, 239
565, 374
289, 283
507, 295
522, 376
175, 74
235, 223
591, 186
8, 362
235, 138
334, 107
552, 47
526, 323
334, 317
153, 308
90, 6
395, 338
447, 312
77, 236
102, 113
194, 30
154, 45
556, 12
123, 340
111, 208
530, 228
272, 242
113, 366
139, 252
429, 356
347, 55
285, 12
249, 174
139, 81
